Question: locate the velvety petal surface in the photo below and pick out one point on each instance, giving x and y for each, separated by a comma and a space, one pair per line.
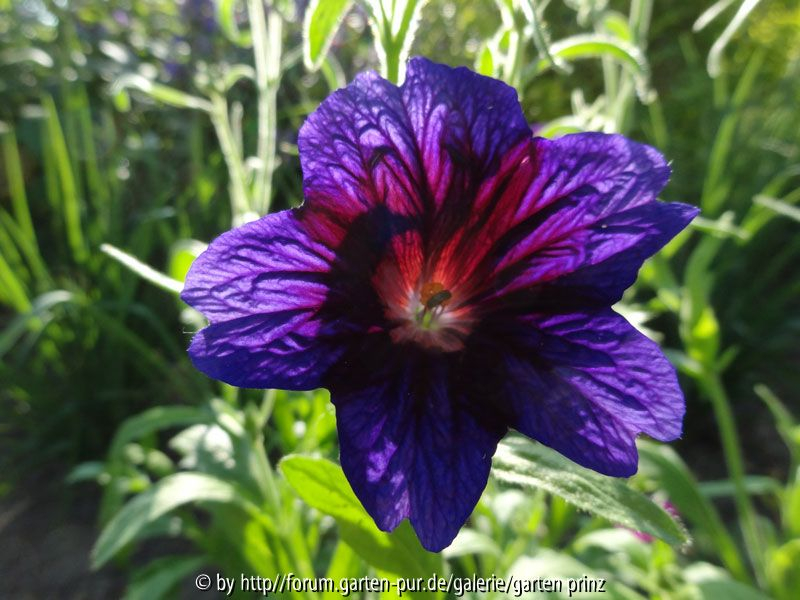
586, 223
261, 286
412, 445
408, 148
585, 384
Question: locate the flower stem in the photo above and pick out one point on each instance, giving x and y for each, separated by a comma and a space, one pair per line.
240, 204
712, 386
267, 45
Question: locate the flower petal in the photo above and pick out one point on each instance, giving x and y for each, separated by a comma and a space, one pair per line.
585, 384
587, 222
592, 266
463, 124
408, 148
262, 286
411, 445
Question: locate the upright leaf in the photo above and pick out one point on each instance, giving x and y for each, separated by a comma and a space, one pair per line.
320, 24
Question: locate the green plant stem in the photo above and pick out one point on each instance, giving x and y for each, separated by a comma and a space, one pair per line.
267, 32
712, 386
240, 204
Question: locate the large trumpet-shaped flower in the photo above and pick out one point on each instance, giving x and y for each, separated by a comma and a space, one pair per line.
449, 276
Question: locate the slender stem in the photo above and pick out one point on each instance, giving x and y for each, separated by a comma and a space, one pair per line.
713, 387
240, 205
267, 46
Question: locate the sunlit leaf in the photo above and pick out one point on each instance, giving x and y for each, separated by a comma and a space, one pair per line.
322, 485
320, 24
143, 270
166, 495
524, 464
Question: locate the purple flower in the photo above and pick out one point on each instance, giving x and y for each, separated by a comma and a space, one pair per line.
448, 277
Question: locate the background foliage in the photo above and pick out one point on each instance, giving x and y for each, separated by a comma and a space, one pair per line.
134, 131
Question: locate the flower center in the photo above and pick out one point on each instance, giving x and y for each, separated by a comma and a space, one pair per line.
430, 317
433, 298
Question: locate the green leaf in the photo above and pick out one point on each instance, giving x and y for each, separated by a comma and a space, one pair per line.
664, 466
527, 465
320, 24
152, 420
86, 471
468, 541
778, 206
711, 583
39, 309
161, 576
226, 17
594, 45
168, 494
322, 485
181, 256
143, 270
783, 571
160, 92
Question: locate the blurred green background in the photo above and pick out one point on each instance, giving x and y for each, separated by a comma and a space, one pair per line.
132, 132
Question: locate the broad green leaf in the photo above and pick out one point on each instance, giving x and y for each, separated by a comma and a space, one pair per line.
168, 494
161, 576
664, 466
527, 465
320, 24
322, 485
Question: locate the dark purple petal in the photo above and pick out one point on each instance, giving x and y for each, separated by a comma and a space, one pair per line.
585, 384
587, 222
408, 148
592, 267
463, 123
411, 445
262, 286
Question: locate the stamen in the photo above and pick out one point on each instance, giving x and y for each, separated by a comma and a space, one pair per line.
434, 294
433, 297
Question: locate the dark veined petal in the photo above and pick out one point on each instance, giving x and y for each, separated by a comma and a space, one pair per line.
261, 285
411, 445
585, 384
408, 148
586, 223
463, 124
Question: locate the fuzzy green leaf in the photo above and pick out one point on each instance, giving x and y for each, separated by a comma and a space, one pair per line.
523, 464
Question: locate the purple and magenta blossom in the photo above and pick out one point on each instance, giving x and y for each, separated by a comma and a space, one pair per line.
449, 276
